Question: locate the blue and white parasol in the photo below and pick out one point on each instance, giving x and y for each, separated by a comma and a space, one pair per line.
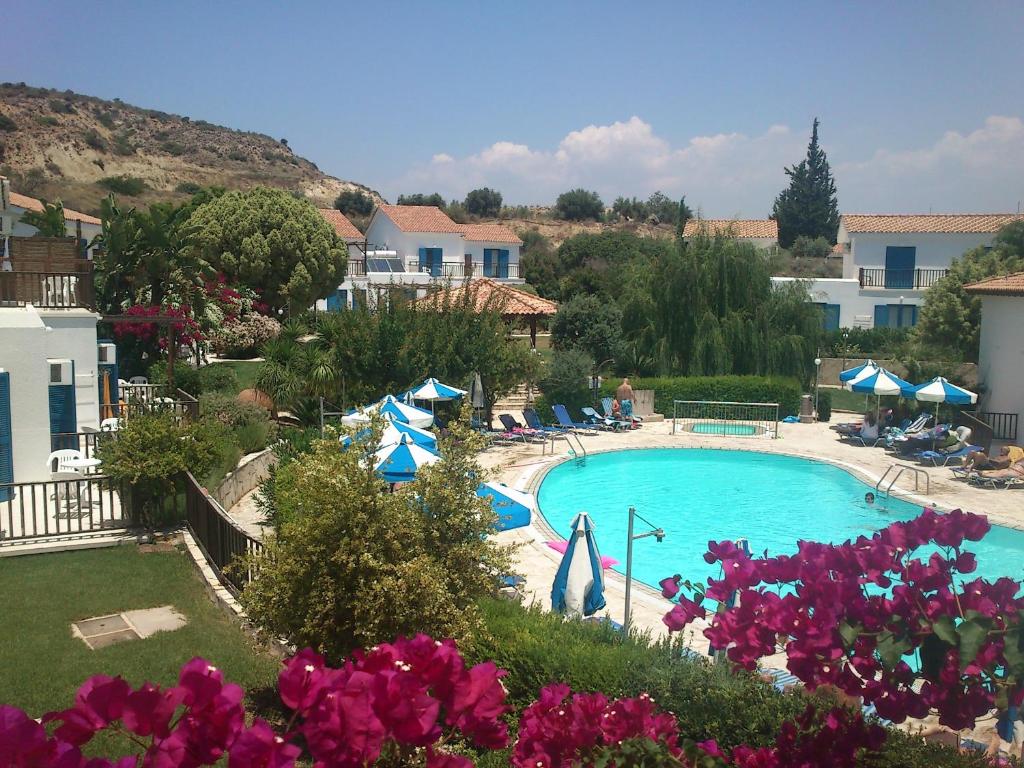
852, 373
578, 588
512, 507
879, 382
939, 390
390, 406
398, 462
433, 390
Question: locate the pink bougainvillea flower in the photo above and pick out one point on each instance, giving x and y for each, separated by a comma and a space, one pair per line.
259, 747
682, 613
670, 586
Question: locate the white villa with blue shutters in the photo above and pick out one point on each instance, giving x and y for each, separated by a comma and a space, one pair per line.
414, 247
890, 261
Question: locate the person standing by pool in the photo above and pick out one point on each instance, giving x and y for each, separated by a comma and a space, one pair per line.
624, 394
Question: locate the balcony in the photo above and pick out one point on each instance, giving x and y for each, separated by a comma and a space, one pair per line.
460, 270
900, 279
48, 290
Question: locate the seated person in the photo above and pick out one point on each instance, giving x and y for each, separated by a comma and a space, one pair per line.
978, 460
853, 427
869, 429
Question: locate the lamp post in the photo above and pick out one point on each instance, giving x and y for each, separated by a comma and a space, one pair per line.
846, 345
659, 535
817, 379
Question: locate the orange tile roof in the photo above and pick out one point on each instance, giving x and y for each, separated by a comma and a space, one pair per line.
1003, 285
839, 248
31, 204
346, 229
761, 228
420, 218
932, 222
487, 293
490, 233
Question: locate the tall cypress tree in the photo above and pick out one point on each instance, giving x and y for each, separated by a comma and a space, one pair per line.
808, 206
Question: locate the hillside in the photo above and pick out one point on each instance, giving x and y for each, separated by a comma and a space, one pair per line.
63, 144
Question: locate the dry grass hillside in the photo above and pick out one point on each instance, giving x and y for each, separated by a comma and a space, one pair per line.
79, 148
558, 231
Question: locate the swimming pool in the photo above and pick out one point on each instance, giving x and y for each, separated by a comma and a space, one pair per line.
698, 495
723, 428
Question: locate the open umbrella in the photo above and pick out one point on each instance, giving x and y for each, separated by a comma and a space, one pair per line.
878, 382
852, 373
578, 588
512, 507
398, 462
390, 406
433, 390
939, 390
395, 429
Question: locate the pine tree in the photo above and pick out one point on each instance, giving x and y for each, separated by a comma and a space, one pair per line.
808, 206
685, 214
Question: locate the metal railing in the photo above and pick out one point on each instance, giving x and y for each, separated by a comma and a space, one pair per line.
461, 270
900, 279
1004, 425
726, 419
219, 537
900, 469
157, 398
85, 442
47, 290
355, 268
61, 507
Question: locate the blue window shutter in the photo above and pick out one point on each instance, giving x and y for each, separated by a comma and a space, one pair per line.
913, 314
6, 442
423, 258
63, 419
503, 263
831, 317
488, 262
437, 256
881, 315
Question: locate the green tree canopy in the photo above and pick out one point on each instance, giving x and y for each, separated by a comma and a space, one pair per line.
353, 202
950, 321
270, 241
420, 199
808, 206
589, 324
579, 205
49, 221
483, 202
603, 263
538, 263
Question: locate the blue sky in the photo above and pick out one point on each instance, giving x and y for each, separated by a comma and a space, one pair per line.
922, 104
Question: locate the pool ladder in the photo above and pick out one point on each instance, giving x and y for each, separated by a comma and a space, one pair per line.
576, 447
900, 469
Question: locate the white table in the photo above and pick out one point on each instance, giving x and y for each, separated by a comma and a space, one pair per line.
84, 464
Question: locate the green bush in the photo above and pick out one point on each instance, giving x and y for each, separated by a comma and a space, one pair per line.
738, 389
824, 404
94, 140
186, 378
124, 184
218, 378
566, 380
6, 124
254, 436
230, 412
238, 156
188, 187
709, 701
858, 342
47, 120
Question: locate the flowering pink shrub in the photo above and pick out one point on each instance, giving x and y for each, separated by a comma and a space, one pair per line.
186, 331
850, 615
244, 335
397, 704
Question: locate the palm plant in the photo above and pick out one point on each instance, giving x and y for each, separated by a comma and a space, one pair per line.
49, 221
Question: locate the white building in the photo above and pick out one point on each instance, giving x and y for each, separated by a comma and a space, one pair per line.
764, 233
412, 247
889, 261
79, 225
1001, 353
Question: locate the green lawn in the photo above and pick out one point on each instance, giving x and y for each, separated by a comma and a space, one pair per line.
845, 400
245, 370
42, 665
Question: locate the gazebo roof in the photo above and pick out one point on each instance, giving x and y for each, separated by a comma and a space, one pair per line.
486, 293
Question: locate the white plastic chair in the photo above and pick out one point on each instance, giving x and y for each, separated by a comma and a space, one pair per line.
67, 493
138, 380
110, 425
55, 463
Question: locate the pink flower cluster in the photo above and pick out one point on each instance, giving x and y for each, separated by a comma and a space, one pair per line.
185, 332
400, 698
849, 614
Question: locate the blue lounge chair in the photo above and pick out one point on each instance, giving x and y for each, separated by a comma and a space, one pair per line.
941, 458
564, 420
533, 422
591, 416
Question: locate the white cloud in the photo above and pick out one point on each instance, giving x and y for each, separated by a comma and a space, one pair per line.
734, 174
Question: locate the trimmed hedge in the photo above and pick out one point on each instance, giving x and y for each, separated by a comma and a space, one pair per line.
738, 389
824, 404
710, 701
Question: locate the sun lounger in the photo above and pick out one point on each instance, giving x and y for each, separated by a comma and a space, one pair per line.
564, 420
533, 422
514, 427
609, 413
942, 458
593, 417
999, 478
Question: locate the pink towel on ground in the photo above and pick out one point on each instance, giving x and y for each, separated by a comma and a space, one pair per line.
561, 546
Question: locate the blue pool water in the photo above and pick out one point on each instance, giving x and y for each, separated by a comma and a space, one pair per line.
702, 495
723, 429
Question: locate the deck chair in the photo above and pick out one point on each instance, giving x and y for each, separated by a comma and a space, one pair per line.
514, 427
564, 420
997, 478
55, 461
942, 458
533, 422
590, 416
68, 493
609, 412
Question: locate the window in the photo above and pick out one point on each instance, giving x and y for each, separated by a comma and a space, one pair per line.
337, 301
895, 315
899, 266
6, 446
830, 316
496, 262
430, 261
63, 419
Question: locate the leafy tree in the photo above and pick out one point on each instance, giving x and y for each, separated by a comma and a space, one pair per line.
353, 565
663, 208
579, 205
353, 202
683, 216
629, 208
810, 248
603, 263
483, 202
420, 199
539, 263
49, 222
589, 324
808, 206
566, 380
277, 245
950, 320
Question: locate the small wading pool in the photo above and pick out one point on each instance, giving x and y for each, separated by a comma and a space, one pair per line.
698, 495
723, 428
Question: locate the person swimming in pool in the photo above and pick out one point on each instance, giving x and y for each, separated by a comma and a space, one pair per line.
869, 497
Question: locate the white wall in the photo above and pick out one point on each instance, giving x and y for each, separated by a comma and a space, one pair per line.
28, 338
384, 235
935, 250
476, 249
856, 305
1001, 359
12, 226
